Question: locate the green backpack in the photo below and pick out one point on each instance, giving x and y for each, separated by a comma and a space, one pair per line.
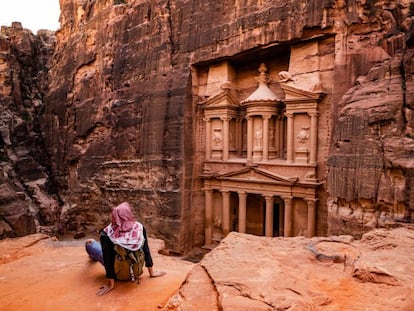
128, 264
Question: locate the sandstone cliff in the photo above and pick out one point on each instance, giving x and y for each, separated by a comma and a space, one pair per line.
122, 120
27, 203
121, 116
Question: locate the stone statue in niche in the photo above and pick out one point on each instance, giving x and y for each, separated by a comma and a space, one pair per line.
217, 138
217, 222
258, 138
271, 134
232, 140
303, 135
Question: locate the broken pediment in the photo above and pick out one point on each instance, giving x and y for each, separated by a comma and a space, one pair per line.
293, 94
225, 99
256, 174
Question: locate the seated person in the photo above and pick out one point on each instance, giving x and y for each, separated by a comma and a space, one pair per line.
125, 231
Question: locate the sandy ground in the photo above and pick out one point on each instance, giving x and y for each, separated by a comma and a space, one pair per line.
45, 274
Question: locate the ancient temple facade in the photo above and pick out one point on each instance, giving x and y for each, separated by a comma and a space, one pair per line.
260, 161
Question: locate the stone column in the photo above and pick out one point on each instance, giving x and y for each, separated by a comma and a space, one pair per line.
208, 226
288, 216
311, 217
226, 212
269, 216
314, 137
266, 137
290, 135
249, 138
226, 137
208, 138
242, 211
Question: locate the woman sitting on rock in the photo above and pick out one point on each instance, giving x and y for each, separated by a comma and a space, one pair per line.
125, 231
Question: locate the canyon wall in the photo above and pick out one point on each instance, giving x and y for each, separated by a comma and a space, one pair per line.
121, 116
28, 199
371, 158
121, 119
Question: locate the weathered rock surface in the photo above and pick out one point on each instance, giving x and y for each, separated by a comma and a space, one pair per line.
120, 108
43, 274
121, 113
371, 160
26, 201
247, 272
244, 272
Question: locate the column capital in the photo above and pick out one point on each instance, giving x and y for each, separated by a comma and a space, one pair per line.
287, 200
225, 118
289, 114
207, 119
311, 201
313, 113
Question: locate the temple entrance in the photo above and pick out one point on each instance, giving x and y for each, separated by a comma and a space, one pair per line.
278, 216
234, 211
276, 219
255, 217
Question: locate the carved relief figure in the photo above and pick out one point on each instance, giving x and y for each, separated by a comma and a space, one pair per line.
271, 134
303, 135
232, 137
258, 138
217, 138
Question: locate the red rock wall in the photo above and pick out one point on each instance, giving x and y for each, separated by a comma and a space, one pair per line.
28, 201
370, 163
120, 116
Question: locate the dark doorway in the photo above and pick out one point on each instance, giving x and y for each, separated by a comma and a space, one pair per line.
276, 219
255, 214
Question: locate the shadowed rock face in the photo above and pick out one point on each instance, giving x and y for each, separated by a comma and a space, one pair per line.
121, 117
26, 201
371, 160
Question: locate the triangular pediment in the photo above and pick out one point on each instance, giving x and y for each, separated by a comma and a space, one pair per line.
224, 99
258, 175
295, 94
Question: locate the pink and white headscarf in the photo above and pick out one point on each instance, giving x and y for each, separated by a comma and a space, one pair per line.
124, 229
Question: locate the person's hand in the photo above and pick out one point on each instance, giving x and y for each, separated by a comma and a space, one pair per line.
106, 288
156, 274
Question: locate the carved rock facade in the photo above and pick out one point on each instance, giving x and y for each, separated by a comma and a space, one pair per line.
156, 103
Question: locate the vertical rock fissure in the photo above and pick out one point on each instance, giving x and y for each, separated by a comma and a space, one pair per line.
216, 292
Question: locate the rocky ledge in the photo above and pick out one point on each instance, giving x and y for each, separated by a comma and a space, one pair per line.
247, 272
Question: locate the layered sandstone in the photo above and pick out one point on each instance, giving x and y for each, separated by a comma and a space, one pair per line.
123, 119
247, 272
27, 203
371, 161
